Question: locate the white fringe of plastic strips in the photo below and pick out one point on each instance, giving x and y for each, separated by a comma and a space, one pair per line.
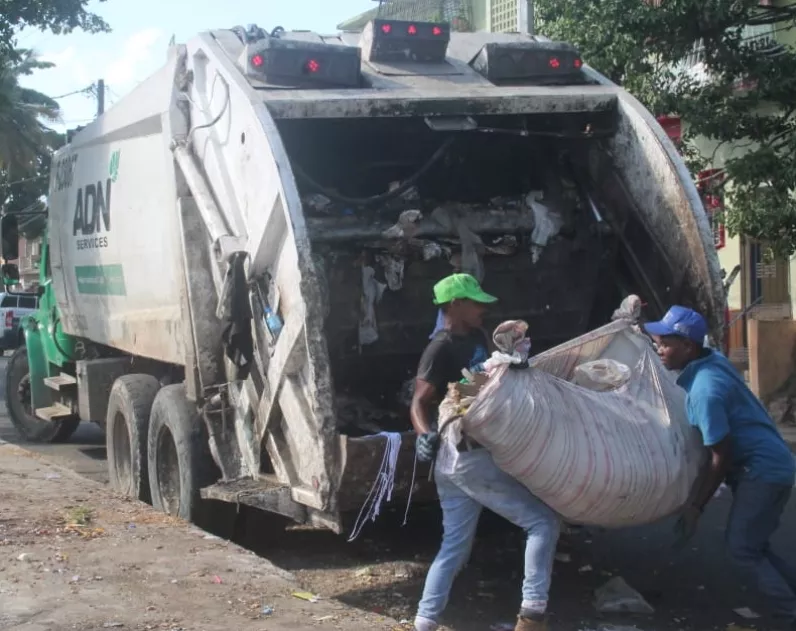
382, 488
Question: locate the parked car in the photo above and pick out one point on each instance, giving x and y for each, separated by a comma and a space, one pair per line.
13, 307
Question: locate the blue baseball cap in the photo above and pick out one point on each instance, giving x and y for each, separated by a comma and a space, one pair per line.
680, 321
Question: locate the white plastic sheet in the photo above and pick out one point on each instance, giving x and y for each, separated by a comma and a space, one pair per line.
622, 457
547, 224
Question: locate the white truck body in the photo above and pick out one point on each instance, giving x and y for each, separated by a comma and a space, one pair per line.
198, 162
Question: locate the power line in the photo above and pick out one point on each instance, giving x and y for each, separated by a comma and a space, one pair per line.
88, 89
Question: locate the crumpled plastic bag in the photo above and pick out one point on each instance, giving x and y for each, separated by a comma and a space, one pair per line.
616, 596
405, 227
512, 343
602, 375
453, 221
547, 223
372, 291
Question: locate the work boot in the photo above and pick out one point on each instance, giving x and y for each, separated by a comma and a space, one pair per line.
533, 623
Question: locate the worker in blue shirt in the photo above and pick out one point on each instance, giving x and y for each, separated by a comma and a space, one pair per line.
745, 449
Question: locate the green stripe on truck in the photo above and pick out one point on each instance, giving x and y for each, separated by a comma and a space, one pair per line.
100, 280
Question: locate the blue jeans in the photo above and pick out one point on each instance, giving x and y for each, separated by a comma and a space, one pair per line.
754, 517
476, 483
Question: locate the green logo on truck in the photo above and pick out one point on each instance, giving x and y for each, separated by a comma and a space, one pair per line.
113, 168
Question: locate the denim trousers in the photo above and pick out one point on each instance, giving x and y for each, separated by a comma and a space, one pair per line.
755, 515
474, 483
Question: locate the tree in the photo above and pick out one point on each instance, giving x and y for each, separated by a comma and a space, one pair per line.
741, 94
26, 142
58, 16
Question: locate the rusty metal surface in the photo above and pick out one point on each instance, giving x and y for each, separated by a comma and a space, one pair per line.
439, 101
482, 220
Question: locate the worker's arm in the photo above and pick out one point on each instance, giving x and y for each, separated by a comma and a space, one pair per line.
707, 412
422, 402
433, 369
706, 485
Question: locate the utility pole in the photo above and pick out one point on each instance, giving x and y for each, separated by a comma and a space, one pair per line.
100, 96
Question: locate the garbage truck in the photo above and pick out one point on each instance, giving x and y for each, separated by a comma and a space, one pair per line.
237, 270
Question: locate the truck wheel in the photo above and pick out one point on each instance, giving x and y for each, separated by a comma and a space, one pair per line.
126, 428
180, 464
20, 409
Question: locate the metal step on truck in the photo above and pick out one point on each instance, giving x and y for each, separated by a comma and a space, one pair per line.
240, 254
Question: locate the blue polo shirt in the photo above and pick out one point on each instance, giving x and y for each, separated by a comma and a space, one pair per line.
719, 404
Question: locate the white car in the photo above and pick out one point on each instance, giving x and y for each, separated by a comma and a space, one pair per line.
13, 306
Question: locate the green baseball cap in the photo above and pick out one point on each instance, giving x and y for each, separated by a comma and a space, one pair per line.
460, 287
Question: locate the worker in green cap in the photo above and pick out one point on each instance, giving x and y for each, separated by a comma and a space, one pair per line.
470, 480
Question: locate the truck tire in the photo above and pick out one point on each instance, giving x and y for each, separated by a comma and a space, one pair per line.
126, 431
180, 464
20, 409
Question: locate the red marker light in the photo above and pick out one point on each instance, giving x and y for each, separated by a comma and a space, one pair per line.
386, 29
554, 63
312, 66
437, 31
257, 61
578, 63
412, 30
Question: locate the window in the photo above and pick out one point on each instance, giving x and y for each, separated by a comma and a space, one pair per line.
9, 301
27, 302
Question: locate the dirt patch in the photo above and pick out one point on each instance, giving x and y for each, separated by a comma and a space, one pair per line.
74, 555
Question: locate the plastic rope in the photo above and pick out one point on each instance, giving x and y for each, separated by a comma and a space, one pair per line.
382, 488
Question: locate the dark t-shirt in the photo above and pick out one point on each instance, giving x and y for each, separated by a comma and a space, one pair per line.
447, 355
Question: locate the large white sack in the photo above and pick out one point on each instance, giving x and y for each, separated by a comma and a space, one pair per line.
607, 458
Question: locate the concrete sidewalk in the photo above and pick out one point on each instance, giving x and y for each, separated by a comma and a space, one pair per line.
75, 556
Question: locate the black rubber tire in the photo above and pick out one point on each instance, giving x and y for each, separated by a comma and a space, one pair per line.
180, 464
126, 431
19, 406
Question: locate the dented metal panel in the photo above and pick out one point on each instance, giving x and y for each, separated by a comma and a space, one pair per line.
249, 172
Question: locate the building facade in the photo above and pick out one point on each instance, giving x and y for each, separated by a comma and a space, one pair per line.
463, 15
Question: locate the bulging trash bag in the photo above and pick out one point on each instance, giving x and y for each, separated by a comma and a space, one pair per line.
622, 456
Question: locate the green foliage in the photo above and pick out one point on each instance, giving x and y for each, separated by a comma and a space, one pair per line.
744, 95
58, 16
26, 142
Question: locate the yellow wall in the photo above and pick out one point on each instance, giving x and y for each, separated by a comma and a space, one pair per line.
729, 257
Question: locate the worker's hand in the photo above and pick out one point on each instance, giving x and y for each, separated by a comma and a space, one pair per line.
426, 446
686, 525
